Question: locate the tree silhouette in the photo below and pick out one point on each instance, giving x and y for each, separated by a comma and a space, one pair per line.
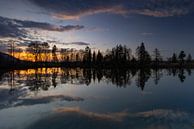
143, 55
35, 48
174, 58
157, 56
94, 57
99, 58
87, 56
189, 58
45, 49
182, 55
77, 57
54, 55
119, 56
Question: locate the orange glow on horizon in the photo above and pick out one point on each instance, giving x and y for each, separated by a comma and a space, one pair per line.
48, 57
27, 56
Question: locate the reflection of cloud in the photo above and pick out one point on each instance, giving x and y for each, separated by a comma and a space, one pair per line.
68, 9
108, 116
162, 113
7, 99
20, 99
119, 116
18, 28
74, 117
48, 99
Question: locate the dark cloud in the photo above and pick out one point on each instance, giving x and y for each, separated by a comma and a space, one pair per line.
17, 28
8, 28
77, 43
49, 27
74, 9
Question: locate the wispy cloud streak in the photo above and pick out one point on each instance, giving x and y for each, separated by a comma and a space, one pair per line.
74, 9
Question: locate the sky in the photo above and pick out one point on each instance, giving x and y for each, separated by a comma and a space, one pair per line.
101, 24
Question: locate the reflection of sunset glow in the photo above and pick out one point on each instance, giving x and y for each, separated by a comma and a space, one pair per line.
38, 71
49, 71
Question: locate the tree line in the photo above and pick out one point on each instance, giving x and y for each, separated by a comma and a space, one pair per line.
121, 56
118, 56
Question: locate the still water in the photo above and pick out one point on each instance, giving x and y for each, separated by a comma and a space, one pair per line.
60, 98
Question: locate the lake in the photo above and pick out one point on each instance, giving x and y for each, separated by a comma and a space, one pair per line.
64, 98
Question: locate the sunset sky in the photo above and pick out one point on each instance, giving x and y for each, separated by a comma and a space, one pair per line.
166, 24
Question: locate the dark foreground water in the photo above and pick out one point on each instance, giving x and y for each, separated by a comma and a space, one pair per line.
58, 98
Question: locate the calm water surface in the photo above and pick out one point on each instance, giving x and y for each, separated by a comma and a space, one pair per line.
59, 98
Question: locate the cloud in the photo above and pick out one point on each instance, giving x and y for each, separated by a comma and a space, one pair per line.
10, 29
69, 9
77, 43
114, 10
18, 28
146, 33
97, 29
49, 27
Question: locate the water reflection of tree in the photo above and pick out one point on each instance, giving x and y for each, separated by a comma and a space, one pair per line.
39, 81
11, 82
72, 76
44, 78
181, 75
157, 74
121, 78
173, 72
189, 71
54, 76
87, 75
142, 77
